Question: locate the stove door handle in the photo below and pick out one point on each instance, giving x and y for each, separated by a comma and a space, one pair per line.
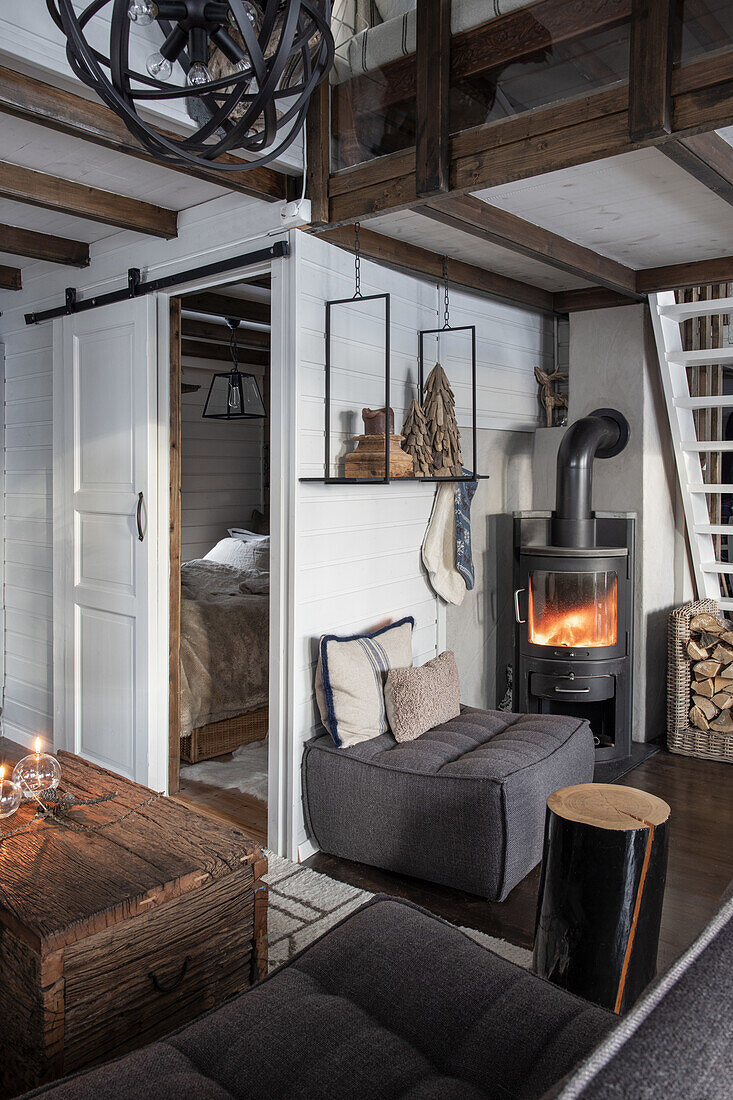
572, 691
517, 612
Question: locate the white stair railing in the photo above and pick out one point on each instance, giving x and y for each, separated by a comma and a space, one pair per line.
674, 361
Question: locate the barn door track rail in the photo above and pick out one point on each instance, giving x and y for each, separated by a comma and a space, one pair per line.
137, 286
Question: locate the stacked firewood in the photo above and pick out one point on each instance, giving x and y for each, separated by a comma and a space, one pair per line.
710, 650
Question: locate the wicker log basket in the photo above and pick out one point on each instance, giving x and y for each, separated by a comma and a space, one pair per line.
683, 738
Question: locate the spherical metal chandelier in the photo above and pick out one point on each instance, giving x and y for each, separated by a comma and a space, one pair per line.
250, 68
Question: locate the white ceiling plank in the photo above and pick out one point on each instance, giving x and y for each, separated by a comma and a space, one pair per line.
640, 209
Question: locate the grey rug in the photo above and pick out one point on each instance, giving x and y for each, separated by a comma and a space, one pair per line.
304, 904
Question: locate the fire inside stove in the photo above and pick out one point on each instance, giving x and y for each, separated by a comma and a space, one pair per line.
577, 610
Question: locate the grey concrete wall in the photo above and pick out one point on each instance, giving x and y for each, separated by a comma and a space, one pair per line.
481, 630
613, 363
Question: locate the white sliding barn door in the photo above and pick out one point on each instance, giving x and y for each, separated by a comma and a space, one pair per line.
105, 440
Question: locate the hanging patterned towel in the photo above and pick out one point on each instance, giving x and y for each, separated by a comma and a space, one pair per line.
439, 548
463, 495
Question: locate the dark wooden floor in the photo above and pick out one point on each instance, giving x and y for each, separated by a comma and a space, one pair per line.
700, 793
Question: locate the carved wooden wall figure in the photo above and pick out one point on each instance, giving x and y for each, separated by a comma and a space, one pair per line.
550, 399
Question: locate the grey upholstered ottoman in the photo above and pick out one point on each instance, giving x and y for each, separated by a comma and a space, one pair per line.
463, 805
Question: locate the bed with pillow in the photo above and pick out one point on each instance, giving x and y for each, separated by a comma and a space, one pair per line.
225, 646
393, 30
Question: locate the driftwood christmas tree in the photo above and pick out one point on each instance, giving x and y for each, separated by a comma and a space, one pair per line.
416, 441
443, 435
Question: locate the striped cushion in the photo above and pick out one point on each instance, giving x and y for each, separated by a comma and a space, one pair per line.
350, 680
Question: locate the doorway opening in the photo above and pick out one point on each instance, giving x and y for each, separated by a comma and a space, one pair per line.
220, 551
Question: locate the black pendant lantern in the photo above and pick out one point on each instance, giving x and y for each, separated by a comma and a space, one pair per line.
250, 68
233, 395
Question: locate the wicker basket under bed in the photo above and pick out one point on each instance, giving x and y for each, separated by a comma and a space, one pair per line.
683, 738
219, 738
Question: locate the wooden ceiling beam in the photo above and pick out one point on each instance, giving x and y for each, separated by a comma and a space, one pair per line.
208, 330
10, 278
43, 246
678, 276
468, 214
708, 158
589, 297
33, 100
420, 261
79, 200
198, 349
220, 306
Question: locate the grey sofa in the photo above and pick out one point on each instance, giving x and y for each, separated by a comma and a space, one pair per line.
394, 1002
463, 805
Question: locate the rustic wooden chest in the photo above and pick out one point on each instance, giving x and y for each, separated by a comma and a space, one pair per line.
113, 937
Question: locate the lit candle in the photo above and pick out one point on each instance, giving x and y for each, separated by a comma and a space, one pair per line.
37, 772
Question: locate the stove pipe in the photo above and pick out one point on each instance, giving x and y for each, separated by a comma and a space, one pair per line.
602, 434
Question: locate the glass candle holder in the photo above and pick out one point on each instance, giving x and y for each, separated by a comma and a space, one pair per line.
10, 795
37, 772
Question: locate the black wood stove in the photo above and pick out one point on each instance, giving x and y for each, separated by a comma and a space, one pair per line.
573, 596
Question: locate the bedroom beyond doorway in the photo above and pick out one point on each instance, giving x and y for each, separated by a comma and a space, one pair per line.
220, 549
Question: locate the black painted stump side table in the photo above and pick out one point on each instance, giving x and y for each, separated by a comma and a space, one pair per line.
601, 892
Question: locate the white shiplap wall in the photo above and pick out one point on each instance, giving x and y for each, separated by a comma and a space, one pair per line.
212, 231
28, 697
357, 547
221, 466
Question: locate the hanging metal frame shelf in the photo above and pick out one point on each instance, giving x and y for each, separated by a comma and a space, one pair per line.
328, 478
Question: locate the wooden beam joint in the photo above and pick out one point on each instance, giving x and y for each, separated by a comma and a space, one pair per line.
650, 69
432, 167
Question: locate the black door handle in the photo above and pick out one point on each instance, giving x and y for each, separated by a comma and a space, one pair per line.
140, 532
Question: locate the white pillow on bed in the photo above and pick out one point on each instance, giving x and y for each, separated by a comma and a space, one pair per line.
246, 536
251, 557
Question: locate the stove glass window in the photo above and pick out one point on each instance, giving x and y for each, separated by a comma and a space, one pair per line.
578, 610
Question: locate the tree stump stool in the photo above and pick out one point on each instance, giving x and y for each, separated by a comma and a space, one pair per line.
601, 892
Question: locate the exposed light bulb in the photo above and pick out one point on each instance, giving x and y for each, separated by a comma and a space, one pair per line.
198, 74
159, 66
253, 14
142, 12
234, 398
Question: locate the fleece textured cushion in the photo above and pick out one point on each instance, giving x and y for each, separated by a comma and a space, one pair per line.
350, 680
417, 699
250, 557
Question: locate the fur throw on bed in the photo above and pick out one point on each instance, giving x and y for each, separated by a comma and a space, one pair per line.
224, 643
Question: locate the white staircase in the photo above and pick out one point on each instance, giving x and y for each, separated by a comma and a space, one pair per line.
674, 362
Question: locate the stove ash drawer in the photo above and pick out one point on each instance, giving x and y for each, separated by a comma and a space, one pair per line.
579, 689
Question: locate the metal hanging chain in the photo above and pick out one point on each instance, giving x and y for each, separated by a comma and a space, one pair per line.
357, 261
446, 300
